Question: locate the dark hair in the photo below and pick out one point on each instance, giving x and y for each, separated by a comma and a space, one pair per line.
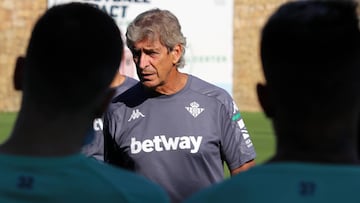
310, 54
74, 51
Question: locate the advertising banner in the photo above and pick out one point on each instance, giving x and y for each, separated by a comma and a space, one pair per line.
206, 24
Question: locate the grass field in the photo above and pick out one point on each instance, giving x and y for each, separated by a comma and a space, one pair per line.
257, 124
6, 124
261, 133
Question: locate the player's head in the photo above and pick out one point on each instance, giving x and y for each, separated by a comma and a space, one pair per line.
156, 24
73, 54
310, 54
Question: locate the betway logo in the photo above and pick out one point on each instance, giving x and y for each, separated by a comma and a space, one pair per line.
161, 143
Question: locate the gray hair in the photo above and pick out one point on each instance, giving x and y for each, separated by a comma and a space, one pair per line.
157, 24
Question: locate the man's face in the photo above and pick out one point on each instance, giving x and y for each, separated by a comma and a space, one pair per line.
154, 63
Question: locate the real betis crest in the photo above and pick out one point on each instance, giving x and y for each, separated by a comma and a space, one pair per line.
194, 109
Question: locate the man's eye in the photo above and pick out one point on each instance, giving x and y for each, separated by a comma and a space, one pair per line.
135, 53
151, 53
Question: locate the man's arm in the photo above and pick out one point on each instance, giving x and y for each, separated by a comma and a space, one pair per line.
243, 167
238, 149
94, 141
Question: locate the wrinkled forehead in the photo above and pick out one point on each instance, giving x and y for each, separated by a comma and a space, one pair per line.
148, 44
148, 39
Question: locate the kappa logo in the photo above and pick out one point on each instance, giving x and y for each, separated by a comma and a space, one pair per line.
135, 115
194, 109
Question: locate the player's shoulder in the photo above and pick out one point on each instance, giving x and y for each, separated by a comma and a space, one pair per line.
242, 186
206, 88
209, 90
279, 179
132, 96
128, 83
130, 184
134, 181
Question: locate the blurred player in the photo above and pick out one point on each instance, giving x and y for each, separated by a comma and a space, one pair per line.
94, 140
72, 56
310, 55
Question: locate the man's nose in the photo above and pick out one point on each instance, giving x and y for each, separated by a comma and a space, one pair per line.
144, 61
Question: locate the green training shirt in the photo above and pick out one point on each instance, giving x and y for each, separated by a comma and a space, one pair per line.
69, 179
287, 182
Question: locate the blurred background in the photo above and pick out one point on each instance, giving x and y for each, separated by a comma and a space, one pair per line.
17, 19
241, 29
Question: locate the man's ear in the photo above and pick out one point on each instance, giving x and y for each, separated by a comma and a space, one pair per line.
264, 97
19, 73
176, 53
104, 103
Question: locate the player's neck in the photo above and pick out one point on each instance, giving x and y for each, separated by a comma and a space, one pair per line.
36, 136
174, 84
327, 150
311, 140
344, 158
